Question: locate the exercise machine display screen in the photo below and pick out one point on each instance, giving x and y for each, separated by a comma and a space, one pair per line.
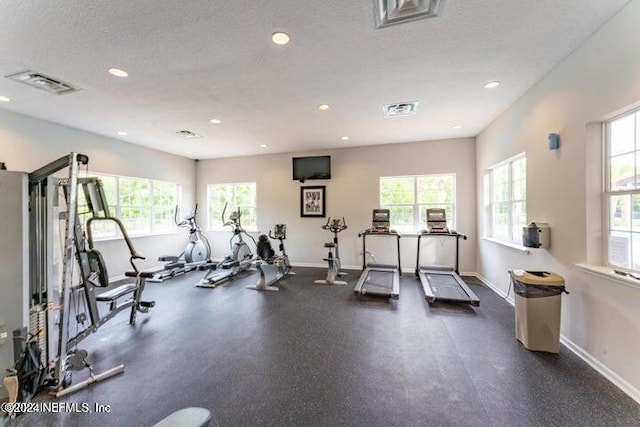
437, 220
381, 219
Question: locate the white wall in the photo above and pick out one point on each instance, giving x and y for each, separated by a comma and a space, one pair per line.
600, 318
27, 143
352, 192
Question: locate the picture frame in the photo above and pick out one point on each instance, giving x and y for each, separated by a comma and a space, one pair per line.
312, 201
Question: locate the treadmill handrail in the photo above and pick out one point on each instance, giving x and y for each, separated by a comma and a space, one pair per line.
368, 232
447, 234
427, 233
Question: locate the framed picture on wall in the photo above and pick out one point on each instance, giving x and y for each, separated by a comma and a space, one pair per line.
312, 203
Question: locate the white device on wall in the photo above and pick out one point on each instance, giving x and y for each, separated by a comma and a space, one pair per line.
536, 235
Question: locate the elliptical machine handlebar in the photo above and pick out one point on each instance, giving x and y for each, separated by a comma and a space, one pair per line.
187, 221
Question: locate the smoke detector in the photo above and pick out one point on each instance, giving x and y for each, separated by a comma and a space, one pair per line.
400, 109
391, 12
187, 134
41, 81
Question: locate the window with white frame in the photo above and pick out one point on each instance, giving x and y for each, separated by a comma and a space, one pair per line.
144, 206
506, 199
236, 196
622, 190
409, 197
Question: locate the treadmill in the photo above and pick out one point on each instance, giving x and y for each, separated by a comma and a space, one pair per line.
381, 280
443, 283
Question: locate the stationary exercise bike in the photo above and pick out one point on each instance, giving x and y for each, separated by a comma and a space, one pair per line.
237, 261
272, 267
195, 253
335, 226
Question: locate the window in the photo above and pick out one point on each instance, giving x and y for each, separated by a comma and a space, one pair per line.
237, 196
505, 192
622, 190
409, 197
144, 206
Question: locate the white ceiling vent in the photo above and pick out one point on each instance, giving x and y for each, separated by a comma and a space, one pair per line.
40, 81
391, 12
187, 134
400, 109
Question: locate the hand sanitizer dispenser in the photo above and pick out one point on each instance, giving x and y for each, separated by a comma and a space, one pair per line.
536, 235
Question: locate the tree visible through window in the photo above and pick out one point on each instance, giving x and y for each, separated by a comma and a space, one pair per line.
143, 206
235, 195
505, 199
622, 195
409, 197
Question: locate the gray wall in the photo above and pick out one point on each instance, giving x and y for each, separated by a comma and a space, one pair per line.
352, 192
600, 318
27, 143
14, 273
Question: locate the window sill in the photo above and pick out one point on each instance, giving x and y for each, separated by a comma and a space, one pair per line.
509, 245
608, 273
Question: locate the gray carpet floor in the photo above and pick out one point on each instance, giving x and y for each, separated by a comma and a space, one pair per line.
316, 355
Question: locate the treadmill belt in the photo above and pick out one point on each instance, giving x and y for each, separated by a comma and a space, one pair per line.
446, 287
379, 282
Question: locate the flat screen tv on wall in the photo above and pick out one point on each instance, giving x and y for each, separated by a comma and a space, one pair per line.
305, 168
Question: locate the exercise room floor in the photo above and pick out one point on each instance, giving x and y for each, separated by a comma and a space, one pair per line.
315, 355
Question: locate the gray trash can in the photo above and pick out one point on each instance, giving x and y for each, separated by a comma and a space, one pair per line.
538, 300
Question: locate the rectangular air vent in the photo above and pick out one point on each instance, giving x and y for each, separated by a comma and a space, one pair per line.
40, 81
391, 12
400, 109
188, 134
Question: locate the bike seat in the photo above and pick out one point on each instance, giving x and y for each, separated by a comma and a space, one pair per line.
329, 245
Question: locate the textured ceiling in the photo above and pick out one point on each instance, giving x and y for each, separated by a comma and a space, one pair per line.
194, 60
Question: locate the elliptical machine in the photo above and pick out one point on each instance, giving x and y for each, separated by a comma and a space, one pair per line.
194, 254
272, 267
237, 261
335, 226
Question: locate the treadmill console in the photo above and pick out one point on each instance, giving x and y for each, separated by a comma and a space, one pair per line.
437, 220
381, 220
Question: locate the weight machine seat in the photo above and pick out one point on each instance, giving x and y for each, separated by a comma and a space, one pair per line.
187, 417
116, 293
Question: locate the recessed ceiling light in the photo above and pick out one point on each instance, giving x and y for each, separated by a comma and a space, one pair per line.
491, 85
323, 107
345, 138
216, 121
457, 127
123, 133
280, 38
118, 72
263, 145
4, 99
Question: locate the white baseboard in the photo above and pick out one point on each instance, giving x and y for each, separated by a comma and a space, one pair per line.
618, 381
602, 369
324, 265
491, 286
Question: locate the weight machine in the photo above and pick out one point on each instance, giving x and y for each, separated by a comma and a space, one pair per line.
60, 301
